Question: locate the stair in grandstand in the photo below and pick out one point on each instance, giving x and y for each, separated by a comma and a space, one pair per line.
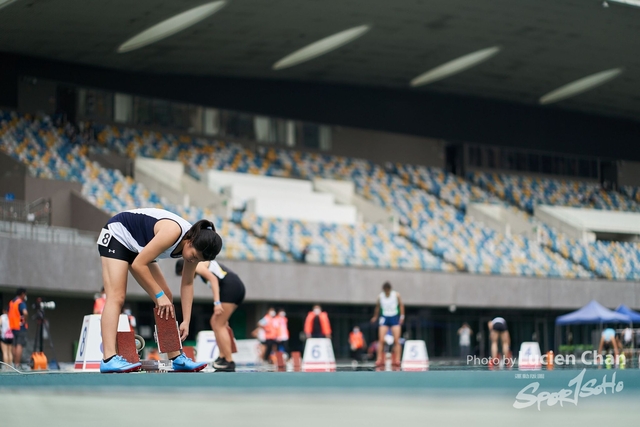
566, 256
420, 246
236, 218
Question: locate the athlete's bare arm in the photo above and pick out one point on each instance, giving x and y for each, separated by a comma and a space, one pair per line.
186, 296
401, 304
376, 312
166, 234
203, 270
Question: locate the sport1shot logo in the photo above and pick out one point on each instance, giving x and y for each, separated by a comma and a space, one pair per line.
576, 390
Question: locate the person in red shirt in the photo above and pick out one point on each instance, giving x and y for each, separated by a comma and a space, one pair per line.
268, 324
99, 303
317, 323
357, 344
283, 331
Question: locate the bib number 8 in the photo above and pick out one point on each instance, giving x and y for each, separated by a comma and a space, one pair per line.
105, 237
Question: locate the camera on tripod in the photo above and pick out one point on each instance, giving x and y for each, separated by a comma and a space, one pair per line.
38, 358
49, 305
42, 305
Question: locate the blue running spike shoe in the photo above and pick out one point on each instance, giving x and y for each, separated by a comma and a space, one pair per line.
119, 365
183, 364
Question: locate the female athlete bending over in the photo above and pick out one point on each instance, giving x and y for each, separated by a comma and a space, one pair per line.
132, 241
228, 293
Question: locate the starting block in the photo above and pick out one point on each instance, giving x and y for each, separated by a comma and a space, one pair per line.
90, 350
529, 356
318, 356
415, 356
296, 360
89, 353
167, 333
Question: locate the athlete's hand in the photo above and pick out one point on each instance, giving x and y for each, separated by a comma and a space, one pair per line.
184, 330
218, 310
165, 307
373, 320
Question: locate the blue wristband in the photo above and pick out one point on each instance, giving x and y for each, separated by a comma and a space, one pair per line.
159, 294
216, 303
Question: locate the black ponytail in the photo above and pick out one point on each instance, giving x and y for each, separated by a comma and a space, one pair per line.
179, 267
203, 238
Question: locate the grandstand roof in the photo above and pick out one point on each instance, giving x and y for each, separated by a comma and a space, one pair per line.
544, 44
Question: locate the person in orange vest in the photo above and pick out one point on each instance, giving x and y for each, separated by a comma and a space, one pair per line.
100, 301
357, 344
18, 323
270, 332
317, 323
283, 331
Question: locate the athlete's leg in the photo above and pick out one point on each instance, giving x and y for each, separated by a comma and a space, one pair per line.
114, 279
506, 342
17, 354
16, 351
493, 336
382, 332
219, 326
160, 280
7, 353
396, 331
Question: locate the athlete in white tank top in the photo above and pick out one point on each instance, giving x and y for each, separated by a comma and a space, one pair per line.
389, 304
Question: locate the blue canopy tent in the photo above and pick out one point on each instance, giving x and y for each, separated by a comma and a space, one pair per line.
634, 315
592, 313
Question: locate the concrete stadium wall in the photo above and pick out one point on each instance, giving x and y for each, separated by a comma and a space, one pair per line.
60, 194
85, 215
12, 177
382, 147
76, 270
37, 96
113, 161
629, 173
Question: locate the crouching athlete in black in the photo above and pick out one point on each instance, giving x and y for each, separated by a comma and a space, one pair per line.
228, 293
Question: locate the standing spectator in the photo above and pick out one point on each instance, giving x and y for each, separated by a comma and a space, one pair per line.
18, 323
317, 323
6, 338
99, 302
283, 331
465, 333
357, 344
627, 342
304, 253
270, 332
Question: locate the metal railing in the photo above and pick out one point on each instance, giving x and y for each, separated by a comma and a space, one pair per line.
37, 212
44, 233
